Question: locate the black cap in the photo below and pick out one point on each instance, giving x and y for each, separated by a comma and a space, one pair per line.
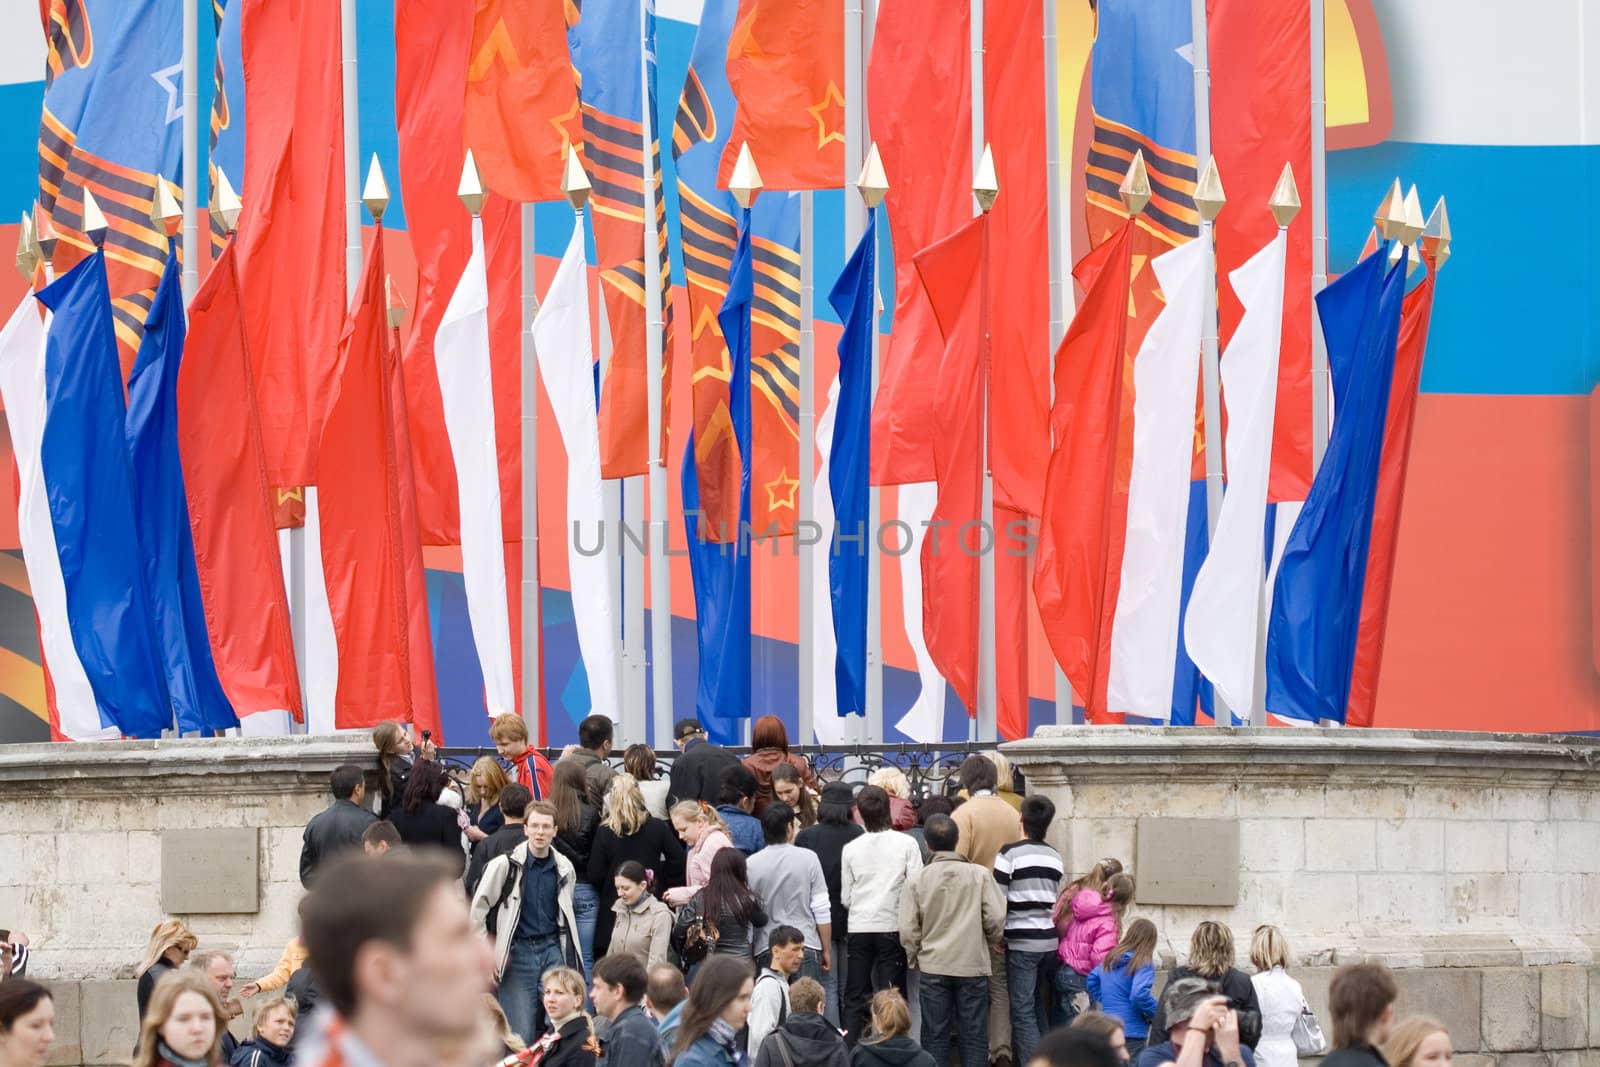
842, 793
687, 728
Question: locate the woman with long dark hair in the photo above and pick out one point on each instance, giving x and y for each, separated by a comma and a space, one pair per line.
424, 822
770, 743
577, 820
789, 788
732, 908
717, 1009
27, 1023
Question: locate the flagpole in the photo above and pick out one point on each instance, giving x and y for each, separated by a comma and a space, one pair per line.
191, 151
532, 619
660, 655
984, 726
808, 471
873, 186
1208, 363
855, 224
1319, 231
1060, 261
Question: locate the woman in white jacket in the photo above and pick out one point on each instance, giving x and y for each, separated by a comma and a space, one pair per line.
1281, 997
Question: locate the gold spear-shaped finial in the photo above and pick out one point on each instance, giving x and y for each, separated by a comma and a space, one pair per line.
985, 182
1436, 234
165, 211
395, 302
225, 205
575, 182
1412, 222
94, 220
1390, 213
375, 194
27, 257
745, 183
872, 183
1285, 200
44, 233
1208, 195
1135, 187
470, 191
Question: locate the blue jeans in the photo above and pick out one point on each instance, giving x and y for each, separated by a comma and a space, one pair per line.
520, 994
963, 1002
586, 910
1027, 974
1069, 983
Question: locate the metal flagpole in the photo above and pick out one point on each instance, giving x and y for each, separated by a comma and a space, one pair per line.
532, 620
873, 185
1319, 231
660, 657
1060, 259
351, 87
984, 727
808, 437
745, 185
191, 151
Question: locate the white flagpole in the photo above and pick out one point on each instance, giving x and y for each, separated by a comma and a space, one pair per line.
660, 658
1319, 231
1060, 260
351, 87
855, 223
985, 726
874, 686
808, 436
191, 151
532, 620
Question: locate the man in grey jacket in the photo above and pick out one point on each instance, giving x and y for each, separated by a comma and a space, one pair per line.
524, 901
952, 917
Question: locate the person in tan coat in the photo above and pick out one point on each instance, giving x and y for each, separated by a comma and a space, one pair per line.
987, 823
643, 927
952, 917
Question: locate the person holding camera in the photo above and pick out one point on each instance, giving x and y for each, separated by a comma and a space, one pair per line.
1202, 1029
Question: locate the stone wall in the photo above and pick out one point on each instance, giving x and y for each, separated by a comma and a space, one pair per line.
1470, 863
81, 836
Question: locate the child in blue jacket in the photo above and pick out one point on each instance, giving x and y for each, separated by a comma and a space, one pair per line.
1122, 984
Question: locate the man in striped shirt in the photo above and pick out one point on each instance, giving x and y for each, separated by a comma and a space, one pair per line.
1030, 872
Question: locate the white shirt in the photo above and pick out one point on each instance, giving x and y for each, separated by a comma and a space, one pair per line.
1281, 1000
769, 1003
872, 870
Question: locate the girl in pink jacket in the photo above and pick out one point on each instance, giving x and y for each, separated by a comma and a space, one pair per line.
1089, 924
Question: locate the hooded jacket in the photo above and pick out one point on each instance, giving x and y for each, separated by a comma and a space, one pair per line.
1089, 933
898, 1051
1129, 998
810, 1041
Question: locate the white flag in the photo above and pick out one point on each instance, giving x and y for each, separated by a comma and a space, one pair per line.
923, 722
1224, 615
22, 385
461, 350
1144, 630
566, 364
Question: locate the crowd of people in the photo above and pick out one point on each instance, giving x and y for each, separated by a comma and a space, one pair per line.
733, 913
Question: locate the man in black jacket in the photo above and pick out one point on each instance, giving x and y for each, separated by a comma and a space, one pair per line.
805, 1038
697, 774
514, 801
339, 826
630, 1038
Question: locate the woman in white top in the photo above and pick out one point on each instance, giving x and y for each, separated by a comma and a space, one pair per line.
640, 761
1281, 998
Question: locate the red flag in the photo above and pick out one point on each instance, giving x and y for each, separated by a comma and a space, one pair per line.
522, 97
1414, 317
952, 274
231, 503
291, 232
786, 69
431, 39
366, 552
1261, 119
920, 76
1081, 527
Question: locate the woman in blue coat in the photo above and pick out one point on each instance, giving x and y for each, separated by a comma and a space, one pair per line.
716, 1011
1122, 984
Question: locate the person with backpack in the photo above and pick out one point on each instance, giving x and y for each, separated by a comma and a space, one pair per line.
769, 1002
805, 1039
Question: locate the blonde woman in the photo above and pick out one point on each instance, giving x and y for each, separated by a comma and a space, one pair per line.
888, 1043
183, 1025
1211, 957
170, 944
485, 782
570, 1039
1419, 1041
702, 829
628, 832
1005, 782
1280, 997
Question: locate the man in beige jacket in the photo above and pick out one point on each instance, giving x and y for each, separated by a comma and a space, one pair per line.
987, 823
952, 915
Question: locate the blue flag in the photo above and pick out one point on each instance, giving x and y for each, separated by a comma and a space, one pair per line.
162, 512
89, 483
1316, 603
722, 571
854, 298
